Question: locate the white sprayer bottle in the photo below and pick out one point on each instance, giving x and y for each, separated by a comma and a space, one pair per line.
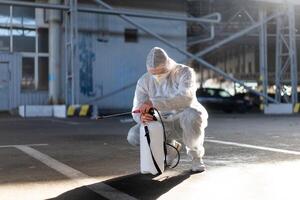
152, 156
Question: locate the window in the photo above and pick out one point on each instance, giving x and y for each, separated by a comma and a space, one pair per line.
224, 93
131, 35
5, 28
43, 73
4, 39
23, 16
43, 40
24, 40
201, 92
211, 92
20, 32
24, 33
4, 15
27, 73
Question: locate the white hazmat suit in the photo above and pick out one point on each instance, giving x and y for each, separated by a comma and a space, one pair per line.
173, 93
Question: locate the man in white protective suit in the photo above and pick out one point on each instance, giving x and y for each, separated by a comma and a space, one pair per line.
171, 88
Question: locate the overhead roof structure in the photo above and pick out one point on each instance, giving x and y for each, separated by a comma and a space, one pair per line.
295, 2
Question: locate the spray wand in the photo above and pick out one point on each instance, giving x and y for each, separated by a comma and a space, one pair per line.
151, 111
113, 115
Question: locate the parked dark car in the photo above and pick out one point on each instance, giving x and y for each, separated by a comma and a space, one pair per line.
253, 99
220, 99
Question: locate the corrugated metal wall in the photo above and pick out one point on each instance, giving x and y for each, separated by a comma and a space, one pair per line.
34, 98
109, 67
16, 97
14, 63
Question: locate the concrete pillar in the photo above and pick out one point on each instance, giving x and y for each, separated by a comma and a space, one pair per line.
239, 65
247, 57
225, 61
252, 62
243, 68
54, 53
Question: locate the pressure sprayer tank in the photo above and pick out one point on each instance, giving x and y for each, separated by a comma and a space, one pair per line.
156, 136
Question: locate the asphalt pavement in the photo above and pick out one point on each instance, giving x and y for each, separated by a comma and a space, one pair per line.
248, 156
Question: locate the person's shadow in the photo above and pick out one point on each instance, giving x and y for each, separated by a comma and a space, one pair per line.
139, 186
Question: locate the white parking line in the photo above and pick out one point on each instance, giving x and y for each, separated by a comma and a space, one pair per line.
62, 121
14, 145
255, 147
81, 178
65, 122
11, 120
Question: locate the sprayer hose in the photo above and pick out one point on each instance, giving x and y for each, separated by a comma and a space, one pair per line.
165, 139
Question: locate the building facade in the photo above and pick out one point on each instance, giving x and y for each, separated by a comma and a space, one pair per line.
111, 53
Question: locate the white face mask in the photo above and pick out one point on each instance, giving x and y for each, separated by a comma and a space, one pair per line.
160, 77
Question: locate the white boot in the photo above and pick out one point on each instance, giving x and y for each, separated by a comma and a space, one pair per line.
172, 153
198, 165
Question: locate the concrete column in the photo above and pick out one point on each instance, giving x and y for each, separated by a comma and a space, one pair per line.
247, 62
225, 61
54, 53
238, 68
253, 60
243, 68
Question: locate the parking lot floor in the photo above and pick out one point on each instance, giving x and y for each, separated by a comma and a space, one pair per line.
248, 156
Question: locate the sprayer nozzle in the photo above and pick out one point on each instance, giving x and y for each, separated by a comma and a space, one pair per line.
136, 111
151, 111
